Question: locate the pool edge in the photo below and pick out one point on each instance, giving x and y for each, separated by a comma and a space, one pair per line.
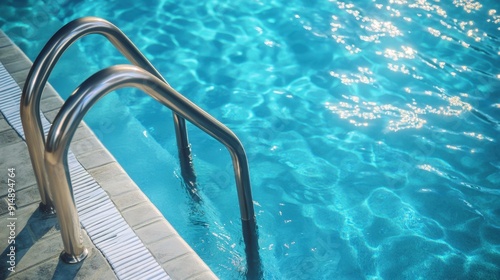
175, 256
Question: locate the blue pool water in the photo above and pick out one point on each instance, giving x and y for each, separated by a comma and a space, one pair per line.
371, 127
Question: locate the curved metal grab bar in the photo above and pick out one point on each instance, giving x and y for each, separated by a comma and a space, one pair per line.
38, 76
73, 111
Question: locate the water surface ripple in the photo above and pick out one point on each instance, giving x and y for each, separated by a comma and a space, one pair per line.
371, 127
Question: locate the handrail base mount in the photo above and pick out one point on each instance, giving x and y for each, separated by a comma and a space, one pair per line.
70, 259
46, 209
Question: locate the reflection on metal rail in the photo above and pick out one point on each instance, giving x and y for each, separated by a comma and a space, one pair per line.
77, 105
39, 74
50, 159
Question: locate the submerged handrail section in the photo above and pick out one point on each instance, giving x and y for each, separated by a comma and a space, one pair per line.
37, 79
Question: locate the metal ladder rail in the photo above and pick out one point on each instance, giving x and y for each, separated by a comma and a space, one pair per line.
37, 79
73, 111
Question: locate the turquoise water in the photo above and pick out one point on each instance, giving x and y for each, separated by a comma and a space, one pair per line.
371, 127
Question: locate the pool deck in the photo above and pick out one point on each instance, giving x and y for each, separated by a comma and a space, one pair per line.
38, 241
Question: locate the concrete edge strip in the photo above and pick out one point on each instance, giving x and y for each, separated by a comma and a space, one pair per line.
98, 204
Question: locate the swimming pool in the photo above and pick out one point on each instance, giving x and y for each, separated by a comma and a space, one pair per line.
371, 127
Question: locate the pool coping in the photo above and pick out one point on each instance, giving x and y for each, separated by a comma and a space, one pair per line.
174, 255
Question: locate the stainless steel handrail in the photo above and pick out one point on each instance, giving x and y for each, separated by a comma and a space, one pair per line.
73, 111
37, 78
